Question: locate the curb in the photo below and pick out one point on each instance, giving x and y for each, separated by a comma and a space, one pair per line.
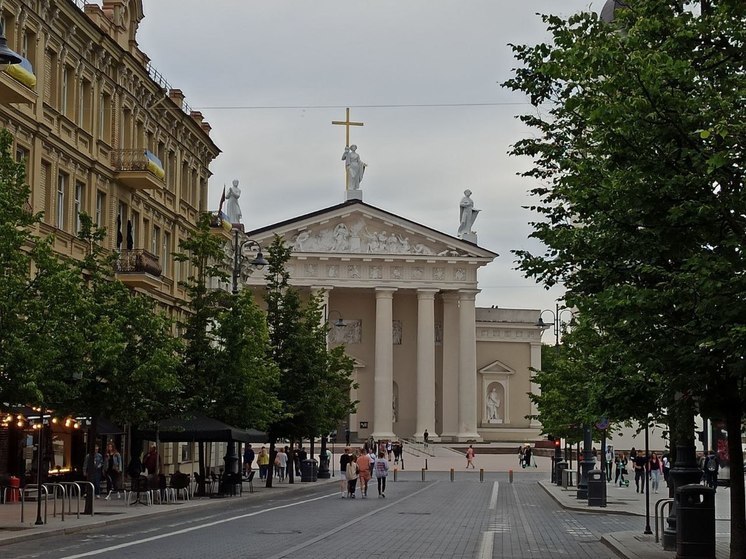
602, 510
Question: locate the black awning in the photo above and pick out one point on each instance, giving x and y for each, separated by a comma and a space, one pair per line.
201, 428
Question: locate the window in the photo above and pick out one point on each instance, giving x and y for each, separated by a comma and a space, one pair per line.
121, 224
166, 254
79, 204
22, 156
135, 227
100, 209
64, 90
84, 106
156, 240
104, 118
60, 207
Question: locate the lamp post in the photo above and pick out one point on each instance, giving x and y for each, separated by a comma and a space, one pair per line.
324, 464
231, 458
557, 324
557, 321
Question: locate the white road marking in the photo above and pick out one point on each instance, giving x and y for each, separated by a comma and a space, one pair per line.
192, 528
485, 545
493, 499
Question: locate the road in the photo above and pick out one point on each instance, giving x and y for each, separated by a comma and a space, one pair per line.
432, 519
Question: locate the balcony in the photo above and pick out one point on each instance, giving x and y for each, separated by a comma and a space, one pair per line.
138, 268
139, 169
17, 83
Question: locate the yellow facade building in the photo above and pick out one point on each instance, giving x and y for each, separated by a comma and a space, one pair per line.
101, 131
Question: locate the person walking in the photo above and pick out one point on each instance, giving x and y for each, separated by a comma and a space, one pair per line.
248, 460
711, 470
655, 471
281, 464
426, 438
352, 472
641, 466
470, 457
344, 459
382, 471
364, 471
93, 469
113, 471
263, 462
622, 470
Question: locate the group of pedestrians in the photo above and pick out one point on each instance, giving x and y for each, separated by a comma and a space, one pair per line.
359, 467
645, 468
98, 467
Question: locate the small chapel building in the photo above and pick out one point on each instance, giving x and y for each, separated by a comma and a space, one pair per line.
401, 296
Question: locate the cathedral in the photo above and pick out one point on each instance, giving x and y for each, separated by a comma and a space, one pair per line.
400, 296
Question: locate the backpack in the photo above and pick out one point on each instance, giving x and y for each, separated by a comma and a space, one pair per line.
712, 464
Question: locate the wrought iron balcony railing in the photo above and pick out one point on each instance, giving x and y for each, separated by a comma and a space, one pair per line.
137, 261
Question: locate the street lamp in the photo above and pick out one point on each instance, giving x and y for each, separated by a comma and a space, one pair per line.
324, 465
231, 457
557, 321
238, 256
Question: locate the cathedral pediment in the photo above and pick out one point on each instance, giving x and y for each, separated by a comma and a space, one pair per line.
356, 228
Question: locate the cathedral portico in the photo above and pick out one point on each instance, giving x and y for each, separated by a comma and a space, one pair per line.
401, 298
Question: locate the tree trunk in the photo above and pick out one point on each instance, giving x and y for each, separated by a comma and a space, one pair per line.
733, 417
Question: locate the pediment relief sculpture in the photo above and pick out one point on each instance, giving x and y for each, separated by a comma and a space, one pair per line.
361, 237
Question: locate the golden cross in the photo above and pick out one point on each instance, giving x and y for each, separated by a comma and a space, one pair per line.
347, 123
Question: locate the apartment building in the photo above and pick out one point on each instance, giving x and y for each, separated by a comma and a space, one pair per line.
101, 131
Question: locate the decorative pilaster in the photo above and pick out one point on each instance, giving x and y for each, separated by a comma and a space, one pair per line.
425, 363
467, 394
450, 398
383, 375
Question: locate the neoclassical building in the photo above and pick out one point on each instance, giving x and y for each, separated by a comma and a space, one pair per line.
401, 297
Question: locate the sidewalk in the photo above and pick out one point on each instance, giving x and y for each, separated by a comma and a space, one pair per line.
624, 500
115, 510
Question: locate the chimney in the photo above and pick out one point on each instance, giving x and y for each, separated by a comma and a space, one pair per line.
177, 96
197, 116
206, 127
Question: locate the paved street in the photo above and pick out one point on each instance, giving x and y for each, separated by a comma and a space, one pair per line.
437, 518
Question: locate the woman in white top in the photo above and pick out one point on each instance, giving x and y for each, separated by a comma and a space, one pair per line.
382, 470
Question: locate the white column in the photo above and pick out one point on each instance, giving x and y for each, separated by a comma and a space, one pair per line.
535, 388
449, 397
467, 369
383, 375
425, 363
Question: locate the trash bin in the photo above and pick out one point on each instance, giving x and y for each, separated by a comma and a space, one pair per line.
596, 489
695, 521
14, 489
560, 467
309, 470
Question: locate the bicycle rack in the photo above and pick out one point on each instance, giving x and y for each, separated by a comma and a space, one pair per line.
74, 490
34, 487
662, 503
57, 489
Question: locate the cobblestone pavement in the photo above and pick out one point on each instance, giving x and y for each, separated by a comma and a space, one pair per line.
431, 519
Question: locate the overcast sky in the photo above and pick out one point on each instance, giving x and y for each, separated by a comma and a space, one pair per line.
423, 75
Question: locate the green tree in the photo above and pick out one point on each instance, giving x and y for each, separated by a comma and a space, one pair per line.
639, 151
314, 381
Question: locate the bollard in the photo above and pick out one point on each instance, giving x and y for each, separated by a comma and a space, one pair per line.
426, 463
396, 471
423, 474
510, 475
481, 475
452, 472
